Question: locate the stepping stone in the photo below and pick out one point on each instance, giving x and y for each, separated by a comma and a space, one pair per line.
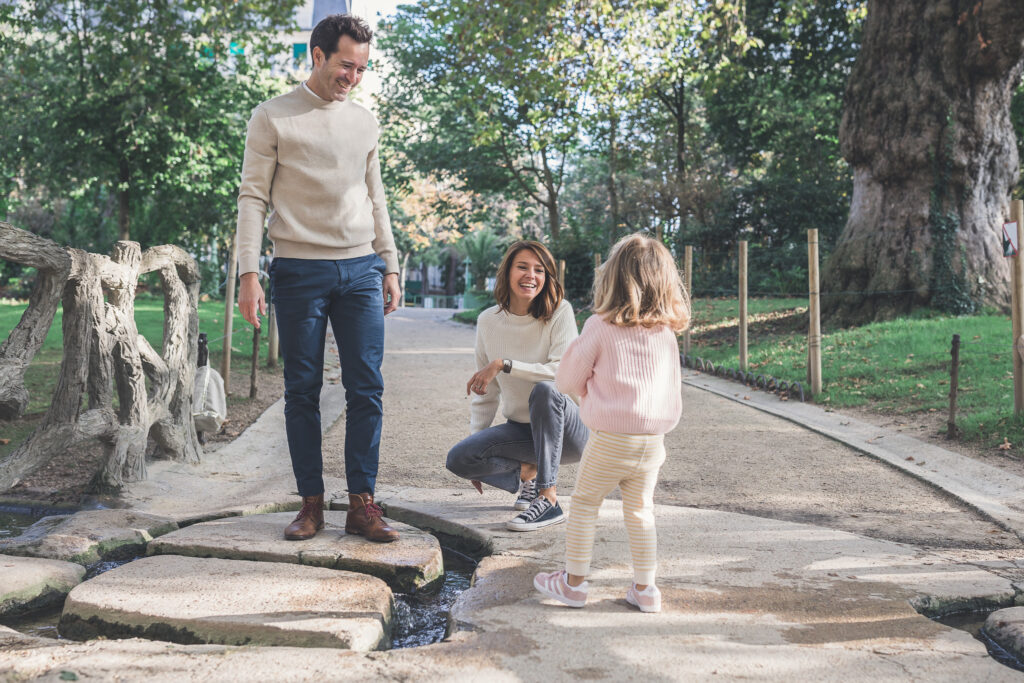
29, 583
193, 600
1006, 627
89, 536
406, 565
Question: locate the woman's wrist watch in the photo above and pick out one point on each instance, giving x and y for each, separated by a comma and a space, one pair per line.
506, 366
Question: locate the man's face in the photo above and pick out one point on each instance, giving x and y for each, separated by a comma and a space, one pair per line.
335, 77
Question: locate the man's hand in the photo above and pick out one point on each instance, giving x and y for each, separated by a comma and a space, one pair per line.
392, 290
251, 299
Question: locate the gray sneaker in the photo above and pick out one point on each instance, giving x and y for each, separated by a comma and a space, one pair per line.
540, 514
527, 494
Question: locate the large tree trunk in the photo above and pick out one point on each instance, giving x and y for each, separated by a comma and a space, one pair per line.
926, 129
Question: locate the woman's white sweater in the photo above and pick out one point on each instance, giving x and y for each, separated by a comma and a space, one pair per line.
535, 349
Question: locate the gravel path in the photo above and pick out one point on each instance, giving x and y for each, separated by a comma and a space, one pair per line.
722, 456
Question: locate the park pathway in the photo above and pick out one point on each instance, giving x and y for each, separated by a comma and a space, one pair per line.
722, 456
784, 555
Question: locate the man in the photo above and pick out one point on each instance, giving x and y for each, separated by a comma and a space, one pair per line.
311, 156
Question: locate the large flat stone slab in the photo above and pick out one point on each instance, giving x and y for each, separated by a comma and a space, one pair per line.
407, 565
89, 536
30, 583
193, 600
1006, 627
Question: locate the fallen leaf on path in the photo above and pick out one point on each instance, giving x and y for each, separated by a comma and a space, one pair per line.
910, 458
746, 398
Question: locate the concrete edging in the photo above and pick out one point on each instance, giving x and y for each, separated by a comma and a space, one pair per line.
995, 493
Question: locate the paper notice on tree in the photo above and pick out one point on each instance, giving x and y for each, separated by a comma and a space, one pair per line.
1010, 245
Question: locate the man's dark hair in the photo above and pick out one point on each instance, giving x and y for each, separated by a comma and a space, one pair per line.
332, 27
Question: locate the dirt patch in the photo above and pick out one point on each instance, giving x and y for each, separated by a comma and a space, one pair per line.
931, 428
67, 477
759, 325
243, 411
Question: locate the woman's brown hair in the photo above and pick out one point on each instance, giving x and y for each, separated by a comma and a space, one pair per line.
640, 285
544, 304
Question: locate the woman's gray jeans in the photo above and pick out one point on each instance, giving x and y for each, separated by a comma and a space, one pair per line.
554, 435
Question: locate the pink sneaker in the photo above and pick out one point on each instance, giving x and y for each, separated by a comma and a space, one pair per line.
554, 586
648, 600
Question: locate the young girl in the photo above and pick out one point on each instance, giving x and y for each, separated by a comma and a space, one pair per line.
625, 368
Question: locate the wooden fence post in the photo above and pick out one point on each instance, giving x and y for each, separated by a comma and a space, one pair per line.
273, 346
229, 316
1017, 307
561, 272
688, 282
743, 305
253, 385
814, 333
954, 380
597, 261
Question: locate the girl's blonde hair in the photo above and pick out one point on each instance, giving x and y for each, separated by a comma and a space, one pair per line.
639, 284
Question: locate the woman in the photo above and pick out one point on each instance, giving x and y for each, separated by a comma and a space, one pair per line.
519, 343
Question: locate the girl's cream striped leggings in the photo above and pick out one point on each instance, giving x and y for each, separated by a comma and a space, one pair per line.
630, 462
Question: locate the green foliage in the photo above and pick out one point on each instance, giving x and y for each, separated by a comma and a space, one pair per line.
578, 255
775, 113
120, 113
497, 113
484, 250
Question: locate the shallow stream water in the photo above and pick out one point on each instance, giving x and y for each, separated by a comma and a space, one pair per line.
422, 618
15, 519
973, 623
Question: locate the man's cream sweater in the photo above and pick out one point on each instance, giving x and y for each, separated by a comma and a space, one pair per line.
313, 163
535, 348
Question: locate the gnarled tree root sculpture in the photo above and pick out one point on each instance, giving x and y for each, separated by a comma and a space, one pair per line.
103, 352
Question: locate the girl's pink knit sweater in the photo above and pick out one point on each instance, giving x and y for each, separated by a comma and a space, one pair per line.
627, 378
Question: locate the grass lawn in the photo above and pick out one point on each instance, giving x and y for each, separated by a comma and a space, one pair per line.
41, 375
896, 367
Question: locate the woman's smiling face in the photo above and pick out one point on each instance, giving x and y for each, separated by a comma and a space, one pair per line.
526, 280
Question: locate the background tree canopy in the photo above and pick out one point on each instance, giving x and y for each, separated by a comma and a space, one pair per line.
703, 122
126, 118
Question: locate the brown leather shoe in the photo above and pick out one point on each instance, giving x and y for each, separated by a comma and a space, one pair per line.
309, 520
365, 518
